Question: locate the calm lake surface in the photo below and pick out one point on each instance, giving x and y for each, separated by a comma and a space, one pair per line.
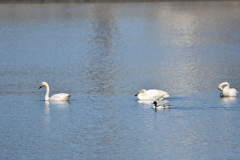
102, 54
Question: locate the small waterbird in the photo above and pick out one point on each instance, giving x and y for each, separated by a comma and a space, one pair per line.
155, 106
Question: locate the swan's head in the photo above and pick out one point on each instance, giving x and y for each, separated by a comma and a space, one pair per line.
42, 84
139, 92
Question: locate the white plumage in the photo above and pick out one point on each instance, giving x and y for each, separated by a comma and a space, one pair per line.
151, 94
55, 97
226, 90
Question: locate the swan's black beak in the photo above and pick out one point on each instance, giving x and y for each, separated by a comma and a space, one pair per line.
40, 87
135, 94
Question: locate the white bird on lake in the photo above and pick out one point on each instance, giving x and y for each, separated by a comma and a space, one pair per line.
151, 94
55, 97
155, 106
226, 90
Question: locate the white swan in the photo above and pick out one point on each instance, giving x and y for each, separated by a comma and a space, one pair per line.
55, 97
227, 91
151, 94
155, 106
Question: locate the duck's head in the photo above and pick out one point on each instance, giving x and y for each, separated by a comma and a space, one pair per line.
154, 103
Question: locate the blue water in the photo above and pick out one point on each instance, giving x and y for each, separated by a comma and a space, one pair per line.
102, 54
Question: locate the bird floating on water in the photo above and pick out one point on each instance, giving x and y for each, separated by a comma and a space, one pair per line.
151, 94
55, 97
226, 90
155, 106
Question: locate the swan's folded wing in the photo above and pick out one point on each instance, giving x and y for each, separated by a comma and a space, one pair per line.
157, 94
60, 97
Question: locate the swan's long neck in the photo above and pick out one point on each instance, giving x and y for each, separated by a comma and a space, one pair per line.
47, 92
220, 86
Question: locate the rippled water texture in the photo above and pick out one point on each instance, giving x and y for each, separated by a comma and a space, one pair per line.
102, 54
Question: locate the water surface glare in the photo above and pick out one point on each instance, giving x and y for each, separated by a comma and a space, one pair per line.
102, 54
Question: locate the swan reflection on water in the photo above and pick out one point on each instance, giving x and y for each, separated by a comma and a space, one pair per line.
151, 101
148, 103
58, 104
228, 99
53, 104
